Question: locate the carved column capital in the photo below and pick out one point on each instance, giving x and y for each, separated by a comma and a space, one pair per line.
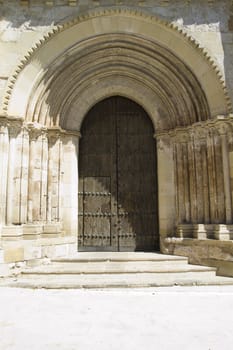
3, 128
14, 127
35, 130
75, 133
181, 135
200, 132
53, 134
224, 127
163, 140
3, 124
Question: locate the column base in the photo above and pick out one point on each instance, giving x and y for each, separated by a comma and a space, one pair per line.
223, 232
32, 231
203, 231
184, 231
52, 230
12, 232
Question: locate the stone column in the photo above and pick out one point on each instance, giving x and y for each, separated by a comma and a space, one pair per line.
36, 187
69, 180
220, 192
202, 183
44, 175
201, 228
53, 210
180, 209
166, 185
182, 176
4, 144
186, 178
183, 184
192, 176
14, 130
223, 129
212, 176
32, 180
20, 177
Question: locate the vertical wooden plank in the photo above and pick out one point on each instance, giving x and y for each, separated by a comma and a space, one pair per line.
80, 212
137, 195
97, 155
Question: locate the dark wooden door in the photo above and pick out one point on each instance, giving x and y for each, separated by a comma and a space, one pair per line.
117, 179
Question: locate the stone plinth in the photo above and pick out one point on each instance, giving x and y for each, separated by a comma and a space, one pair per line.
223, 232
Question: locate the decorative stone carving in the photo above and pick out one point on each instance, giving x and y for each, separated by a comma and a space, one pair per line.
153, 62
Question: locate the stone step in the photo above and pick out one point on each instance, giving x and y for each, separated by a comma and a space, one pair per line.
224, 267
55, 276
120, 256
112, 267
116, 270
115, 281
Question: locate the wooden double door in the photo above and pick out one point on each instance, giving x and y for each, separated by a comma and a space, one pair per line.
117, 179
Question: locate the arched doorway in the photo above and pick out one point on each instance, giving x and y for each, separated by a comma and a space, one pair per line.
69, 71
117, 178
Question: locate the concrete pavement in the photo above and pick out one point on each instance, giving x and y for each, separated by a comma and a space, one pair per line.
192, 318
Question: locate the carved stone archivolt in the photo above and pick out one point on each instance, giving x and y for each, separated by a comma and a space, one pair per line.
64, 76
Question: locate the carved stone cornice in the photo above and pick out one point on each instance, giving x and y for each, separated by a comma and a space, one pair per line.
13, 124
58, 132
220, 124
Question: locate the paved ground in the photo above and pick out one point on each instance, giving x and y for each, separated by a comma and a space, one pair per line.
184, 318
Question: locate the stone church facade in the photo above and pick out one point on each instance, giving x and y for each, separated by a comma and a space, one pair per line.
116, 128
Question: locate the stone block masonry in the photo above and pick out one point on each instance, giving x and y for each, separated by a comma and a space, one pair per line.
59, 59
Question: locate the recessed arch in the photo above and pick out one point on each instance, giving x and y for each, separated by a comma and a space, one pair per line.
184, 82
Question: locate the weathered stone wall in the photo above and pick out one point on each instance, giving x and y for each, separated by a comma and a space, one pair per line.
195, 172
22, 23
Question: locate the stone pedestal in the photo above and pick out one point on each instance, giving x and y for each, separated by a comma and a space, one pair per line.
52, 230
184, 231
203, 231
12, 232
223, 232
32, 231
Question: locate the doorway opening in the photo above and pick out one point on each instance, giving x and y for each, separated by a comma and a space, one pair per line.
118, 200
